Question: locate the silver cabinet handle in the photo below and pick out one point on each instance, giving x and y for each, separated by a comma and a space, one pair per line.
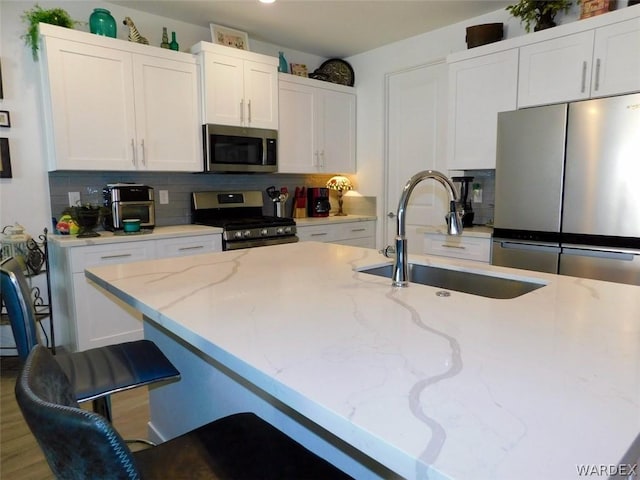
584, 77
446, 245
358, 229
321, 159
110, 257
242, 110
597, 75
391, 215
249, 112
133, 152
144, 153
318, 234
196, 247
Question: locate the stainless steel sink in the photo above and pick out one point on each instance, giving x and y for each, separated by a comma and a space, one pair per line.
468, 282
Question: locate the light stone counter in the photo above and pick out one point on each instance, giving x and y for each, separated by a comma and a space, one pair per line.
173, 231
460, 387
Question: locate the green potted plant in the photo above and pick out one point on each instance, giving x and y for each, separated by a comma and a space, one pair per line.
540, 13
37, 15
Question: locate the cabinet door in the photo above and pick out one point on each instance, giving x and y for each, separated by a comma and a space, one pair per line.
167, 117
557, 70
617, 59
296, 136
479, 88
91, 106
338, 130
98, 317
261, 95
223, 89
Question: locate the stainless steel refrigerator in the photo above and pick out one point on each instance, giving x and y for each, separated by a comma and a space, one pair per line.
568, 189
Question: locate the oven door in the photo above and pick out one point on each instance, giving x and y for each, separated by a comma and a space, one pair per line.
257, 242
237, 149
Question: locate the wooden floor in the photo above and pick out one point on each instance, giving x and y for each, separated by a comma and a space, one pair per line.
20, 455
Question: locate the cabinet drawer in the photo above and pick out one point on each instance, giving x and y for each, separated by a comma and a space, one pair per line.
90, 256
469, 248
317, 233
346, 231
176, 247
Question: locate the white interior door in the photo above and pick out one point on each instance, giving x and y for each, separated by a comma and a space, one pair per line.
416, 140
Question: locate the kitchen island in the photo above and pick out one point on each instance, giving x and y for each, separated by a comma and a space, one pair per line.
391, 382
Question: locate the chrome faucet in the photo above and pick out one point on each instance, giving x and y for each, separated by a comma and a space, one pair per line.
454, 223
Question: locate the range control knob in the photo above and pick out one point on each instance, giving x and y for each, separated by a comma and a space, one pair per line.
246, 234
237, 235
287, 229
279, 230
264, 232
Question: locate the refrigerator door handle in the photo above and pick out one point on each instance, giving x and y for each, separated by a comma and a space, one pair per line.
599, 254
528, 246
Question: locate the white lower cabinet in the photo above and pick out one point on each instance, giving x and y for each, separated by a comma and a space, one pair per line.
467, 248
357, 234
88, 315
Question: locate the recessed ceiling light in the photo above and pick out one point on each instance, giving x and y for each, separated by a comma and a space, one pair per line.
267, 1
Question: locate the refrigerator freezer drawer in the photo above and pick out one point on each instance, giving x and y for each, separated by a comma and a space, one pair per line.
538, 257
620, 267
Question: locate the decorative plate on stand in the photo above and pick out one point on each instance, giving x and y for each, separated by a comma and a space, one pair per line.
337, 71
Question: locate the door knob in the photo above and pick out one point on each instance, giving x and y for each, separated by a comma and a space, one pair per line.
391, 215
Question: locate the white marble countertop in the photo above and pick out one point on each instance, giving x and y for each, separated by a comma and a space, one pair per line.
461, 387
106, 237
480, 231
331, 219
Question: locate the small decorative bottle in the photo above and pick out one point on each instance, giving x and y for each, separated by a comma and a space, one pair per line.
174, 44
102, 23
165, 38
282, 66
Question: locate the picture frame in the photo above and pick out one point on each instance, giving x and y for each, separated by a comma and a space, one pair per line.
5, 119
1, 91
299, 69
5, 159
229, 37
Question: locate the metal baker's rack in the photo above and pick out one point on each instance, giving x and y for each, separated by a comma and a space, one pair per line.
35, 256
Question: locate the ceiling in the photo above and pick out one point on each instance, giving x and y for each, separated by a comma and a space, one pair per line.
331, 29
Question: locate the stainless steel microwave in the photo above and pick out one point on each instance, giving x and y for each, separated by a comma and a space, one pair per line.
239, 149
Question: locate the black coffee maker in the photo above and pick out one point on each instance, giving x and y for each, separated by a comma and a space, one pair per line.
464, 205
318, 202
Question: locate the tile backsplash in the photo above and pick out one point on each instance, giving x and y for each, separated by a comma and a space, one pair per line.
180, 185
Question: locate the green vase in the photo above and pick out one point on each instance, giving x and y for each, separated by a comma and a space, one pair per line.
102, 23
174, 44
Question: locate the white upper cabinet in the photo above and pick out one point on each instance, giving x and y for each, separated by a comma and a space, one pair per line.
595, 63
556, 71
479, 88
616, 57
317, 127
108, 107
239, 88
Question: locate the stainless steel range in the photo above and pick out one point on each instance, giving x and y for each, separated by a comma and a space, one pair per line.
240, 215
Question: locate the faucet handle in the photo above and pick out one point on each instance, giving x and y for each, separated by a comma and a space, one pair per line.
388, 251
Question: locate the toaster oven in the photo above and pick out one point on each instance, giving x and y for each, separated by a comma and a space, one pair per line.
127, 201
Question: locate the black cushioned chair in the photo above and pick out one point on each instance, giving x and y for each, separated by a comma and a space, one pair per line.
79, 444
96, 373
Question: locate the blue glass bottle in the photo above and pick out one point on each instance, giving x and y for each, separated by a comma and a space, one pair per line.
101, 22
